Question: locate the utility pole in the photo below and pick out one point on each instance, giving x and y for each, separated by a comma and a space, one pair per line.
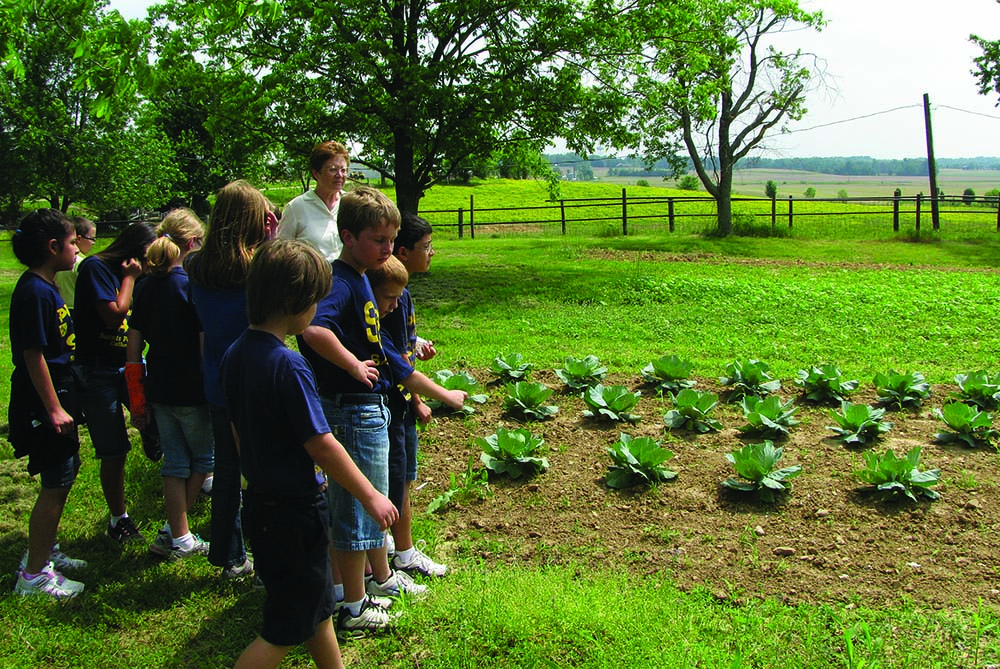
931, 167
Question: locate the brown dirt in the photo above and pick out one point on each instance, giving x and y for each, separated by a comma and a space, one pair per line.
827, 541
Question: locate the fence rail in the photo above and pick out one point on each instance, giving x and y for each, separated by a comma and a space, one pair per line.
670, 210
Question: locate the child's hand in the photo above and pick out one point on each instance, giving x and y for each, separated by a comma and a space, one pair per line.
366, 372
139, 420
131, 267
382, 511
424, 349
456, 398
423, 412
62, 422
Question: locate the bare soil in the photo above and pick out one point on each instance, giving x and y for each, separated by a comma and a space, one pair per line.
827, 541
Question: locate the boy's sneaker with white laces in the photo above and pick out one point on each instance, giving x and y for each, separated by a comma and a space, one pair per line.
47, 582
162, 544
399, 584
419, 564
125, 531
370, 619
60, 561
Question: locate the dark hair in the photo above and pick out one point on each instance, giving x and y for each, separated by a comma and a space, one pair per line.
365, 207
324, 151
286, 276
412, 229
131, 242
83, 225
31, 239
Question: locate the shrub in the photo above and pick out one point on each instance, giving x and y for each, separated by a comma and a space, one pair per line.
643, 183
968, 196
842, 194
688, 182
771, 189
810, 192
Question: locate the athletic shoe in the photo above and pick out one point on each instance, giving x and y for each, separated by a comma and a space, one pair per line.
206, 486
48, 582
125, 531
238, 570
399, 584
198, 547
60, 561
390, 545
418, 565
371, 618
383, 603
162, 544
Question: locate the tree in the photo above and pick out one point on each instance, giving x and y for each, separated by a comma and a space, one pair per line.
709, 79
56, 144
688, 182
414, 88
771, 189
968, 196
987, 69
810, 192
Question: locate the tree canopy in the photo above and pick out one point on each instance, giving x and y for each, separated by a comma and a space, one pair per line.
987, 70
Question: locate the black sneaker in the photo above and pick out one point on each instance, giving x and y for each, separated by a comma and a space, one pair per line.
125, 531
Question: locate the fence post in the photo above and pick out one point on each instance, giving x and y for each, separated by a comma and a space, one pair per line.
895, 210
920, 196
562, 215
774, 217
997, 204
472, 216
670, 213
789, 212
460, 217
624, 214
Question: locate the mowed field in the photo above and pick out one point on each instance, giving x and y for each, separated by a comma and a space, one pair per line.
795, 182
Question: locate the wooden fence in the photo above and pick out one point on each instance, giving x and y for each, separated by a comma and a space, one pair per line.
669, 210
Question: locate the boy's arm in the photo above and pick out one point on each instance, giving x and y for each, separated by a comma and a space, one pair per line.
329, 454
326, 343
38, 371
420, 383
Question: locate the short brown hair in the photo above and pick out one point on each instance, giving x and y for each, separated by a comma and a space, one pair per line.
324, 151
391, 271
366, 207
286, 277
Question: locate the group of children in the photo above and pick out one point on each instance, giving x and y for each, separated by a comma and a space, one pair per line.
325, 439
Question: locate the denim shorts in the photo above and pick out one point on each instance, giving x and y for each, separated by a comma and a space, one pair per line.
411, 451
186, 439
62, 475
102, 398
360, 423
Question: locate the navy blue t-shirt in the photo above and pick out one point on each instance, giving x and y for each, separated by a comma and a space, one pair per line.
270, 393
97, 284
39, 319
163, 311
350, 312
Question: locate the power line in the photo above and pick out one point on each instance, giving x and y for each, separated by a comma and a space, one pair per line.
855, 118
967, 111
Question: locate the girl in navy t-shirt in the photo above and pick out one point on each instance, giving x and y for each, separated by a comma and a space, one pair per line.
43, 409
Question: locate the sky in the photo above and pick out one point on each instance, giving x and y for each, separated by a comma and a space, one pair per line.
877, 56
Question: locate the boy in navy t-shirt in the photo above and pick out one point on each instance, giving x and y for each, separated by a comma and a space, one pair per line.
282, 436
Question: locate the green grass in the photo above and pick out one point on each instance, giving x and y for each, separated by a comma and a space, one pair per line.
860, 304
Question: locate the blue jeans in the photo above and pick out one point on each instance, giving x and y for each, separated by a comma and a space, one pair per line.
360, 423
226, 548
102, 398
186, 438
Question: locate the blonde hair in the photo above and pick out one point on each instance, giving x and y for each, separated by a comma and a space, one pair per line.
391, 271
236, 227
175, 232
366, 207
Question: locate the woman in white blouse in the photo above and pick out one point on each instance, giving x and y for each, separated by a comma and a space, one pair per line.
312, 216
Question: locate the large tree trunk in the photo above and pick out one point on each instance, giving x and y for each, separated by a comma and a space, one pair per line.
408, 190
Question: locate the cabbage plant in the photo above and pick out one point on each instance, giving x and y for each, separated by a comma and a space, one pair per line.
636, 461
825, 383
858, 423
967, 423
750, 377
756, 470
693, 411
513, 452
614, 402
461, 381
528, 398
511, 367
582, 373
669, 373
893, 476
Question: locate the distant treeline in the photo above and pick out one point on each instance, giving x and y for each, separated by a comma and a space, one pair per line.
846, 165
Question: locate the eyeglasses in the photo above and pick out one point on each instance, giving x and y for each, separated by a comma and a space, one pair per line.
426, 248
337, 170
89, 239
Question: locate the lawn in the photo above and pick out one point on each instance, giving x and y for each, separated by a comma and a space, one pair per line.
518, 597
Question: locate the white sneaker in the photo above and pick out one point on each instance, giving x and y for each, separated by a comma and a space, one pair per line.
399, 584
418, 564
371, 618
47, 582
60, 561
